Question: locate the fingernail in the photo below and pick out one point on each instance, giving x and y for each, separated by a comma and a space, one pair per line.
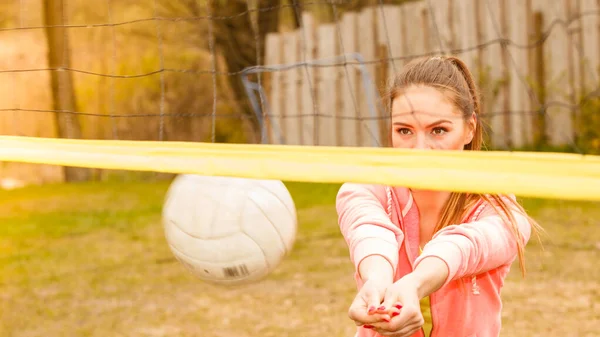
398, 306
385, 320
367, 326
394, 314
381, 307
371, 308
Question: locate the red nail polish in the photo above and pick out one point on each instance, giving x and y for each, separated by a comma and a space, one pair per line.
398, 306
394, 314
386, 320
367, 326
381, 307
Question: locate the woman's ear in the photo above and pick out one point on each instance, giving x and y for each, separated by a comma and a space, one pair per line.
470, 129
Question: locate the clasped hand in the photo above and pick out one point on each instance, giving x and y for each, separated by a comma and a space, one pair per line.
390, 309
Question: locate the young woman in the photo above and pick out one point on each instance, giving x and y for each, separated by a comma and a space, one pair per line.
412, 246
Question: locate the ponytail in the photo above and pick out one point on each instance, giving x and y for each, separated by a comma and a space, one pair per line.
477, 142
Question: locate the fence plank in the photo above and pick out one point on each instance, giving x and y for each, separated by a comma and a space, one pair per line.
389, 32
559, 122
369, 125
291, 120
495, 88
349, 125
590, 23
326, 86
465, 28
273, 56
283, 77
415, 45
440, 26
574, 51
390, 37
308, 92
520, 118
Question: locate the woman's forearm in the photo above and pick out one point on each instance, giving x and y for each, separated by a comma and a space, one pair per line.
429, 275
376, 267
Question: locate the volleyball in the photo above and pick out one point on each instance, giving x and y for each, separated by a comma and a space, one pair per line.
227, 230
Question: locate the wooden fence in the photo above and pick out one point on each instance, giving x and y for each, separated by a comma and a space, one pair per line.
551, 56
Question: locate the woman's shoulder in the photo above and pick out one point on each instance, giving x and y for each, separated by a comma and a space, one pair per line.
385, 194
362, 190
488, 205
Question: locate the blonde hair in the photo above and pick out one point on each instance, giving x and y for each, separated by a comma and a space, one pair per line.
452, 77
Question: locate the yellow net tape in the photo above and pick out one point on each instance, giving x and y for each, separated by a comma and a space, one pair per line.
527, 174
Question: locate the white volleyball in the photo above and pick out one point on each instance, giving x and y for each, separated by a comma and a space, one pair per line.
229, 230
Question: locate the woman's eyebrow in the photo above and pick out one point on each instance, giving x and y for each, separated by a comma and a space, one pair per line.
441, 121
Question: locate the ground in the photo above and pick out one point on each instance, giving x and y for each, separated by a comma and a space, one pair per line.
91, 260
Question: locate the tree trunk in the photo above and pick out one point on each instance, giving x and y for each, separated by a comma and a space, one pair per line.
237, 43
63, 93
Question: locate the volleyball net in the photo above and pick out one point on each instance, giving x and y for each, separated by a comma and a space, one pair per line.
294, 88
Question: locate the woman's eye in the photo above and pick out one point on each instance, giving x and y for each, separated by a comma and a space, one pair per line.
439, 131
404, 131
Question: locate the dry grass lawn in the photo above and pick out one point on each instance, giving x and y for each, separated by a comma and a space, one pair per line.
91, 260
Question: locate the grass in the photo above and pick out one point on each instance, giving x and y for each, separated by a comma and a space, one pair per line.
91, 260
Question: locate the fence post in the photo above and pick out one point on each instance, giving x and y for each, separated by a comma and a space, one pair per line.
539, 80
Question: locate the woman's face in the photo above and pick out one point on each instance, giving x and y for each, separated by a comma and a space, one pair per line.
423, 118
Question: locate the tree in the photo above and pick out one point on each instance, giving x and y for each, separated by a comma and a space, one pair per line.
242, 44
63, 93
238, 43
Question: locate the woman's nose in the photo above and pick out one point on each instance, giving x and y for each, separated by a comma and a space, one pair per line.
422, 143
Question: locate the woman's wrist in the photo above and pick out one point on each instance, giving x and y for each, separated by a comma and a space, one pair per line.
428, 276
377, 268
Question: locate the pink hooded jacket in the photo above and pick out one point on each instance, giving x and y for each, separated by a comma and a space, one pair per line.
382, 220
